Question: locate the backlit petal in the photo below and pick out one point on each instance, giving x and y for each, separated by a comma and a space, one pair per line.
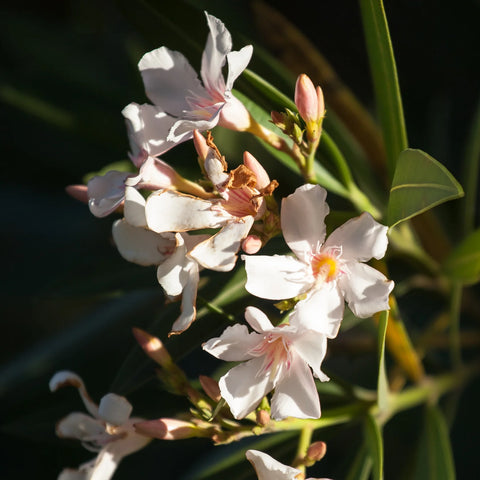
233, 344
106, 192
172, 274
134, 208
258, 320
237, 63
311, 347
267, 468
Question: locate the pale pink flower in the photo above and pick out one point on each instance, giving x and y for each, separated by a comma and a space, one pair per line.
277, 358
181, 102
108, 430
267, 468
327, 271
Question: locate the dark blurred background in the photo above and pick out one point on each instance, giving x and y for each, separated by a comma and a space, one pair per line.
69, 300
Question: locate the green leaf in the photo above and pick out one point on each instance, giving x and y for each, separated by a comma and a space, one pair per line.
374, 441
463, 264
385, 79
382, 384
362, 465
434, 455
419, 183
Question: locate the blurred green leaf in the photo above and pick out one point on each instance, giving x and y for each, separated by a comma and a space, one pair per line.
463, 264
374, 442
419, 183
434, 454
382, 384
362, 465
385, 79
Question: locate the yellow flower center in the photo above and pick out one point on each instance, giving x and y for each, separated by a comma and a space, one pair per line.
324, 267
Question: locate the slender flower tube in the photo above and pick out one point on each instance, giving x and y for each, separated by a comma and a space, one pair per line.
277, 358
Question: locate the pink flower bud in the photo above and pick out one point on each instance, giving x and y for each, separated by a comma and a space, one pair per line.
321, 103
200, 144
252, 244
210, 387
167, 429
316, 451
306, 99
263, 418
78, 192
260, 173
153, 347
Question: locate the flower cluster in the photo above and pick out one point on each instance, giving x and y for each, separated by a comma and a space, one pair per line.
165, 217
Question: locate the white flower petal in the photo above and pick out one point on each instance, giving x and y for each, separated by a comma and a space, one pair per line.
148, 128
215, 169
79, 426
219, 252
189, 299
366, 289
168, 77
169, 211
311, 346
156, 174
361, 238
172, 274
243, 388
233, 344
296, 394
234, 115
303, 219
195, 120
106, 464
258, 320
237, 63
106, 192
141, 246
321, 311
219, 43
267, 468
114, 409
66, 378
134, 208
71, 474
276, 277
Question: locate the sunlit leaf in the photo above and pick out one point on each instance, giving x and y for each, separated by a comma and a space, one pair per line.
419, 183
463, 264
374, 441
434, 454
385, 79
382, 384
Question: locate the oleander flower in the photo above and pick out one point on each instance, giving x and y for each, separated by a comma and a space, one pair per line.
275, 358
327, 272
181, 102
267, 468
108, 430
177, 273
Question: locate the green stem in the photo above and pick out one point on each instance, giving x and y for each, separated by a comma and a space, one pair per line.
455, 304
303, 444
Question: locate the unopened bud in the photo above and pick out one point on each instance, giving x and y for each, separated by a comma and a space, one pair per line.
316, 451
167, 429
256, 167
78, 192
153, 347
263, 417
200, 143
251, 244
210, 387
279, 120
306, 99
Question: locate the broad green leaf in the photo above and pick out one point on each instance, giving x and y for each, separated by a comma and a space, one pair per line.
385, 79
382, 384
463, 264
434, 454
362, 465
374, 441
419, 183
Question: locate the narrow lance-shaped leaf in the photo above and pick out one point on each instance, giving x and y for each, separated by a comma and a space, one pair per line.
382, 384
434, 455
385, 79
362, 465
374, 441
419, 183
463, 264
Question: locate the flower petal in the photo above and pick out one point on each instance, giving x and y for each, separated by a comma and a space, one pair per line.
366, 289
233, 344
148, 128
79, 426
169, 211
141, 246
189, 299
258, 320
106, 192
267, 468
361, 238
276, 277
114, 409
303, 219
243, 388
155, 174
201, 120
311, 346
219, 43
296, 394
219, 252
172, 274
168, 77
321, 311
134, 208
237, 63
